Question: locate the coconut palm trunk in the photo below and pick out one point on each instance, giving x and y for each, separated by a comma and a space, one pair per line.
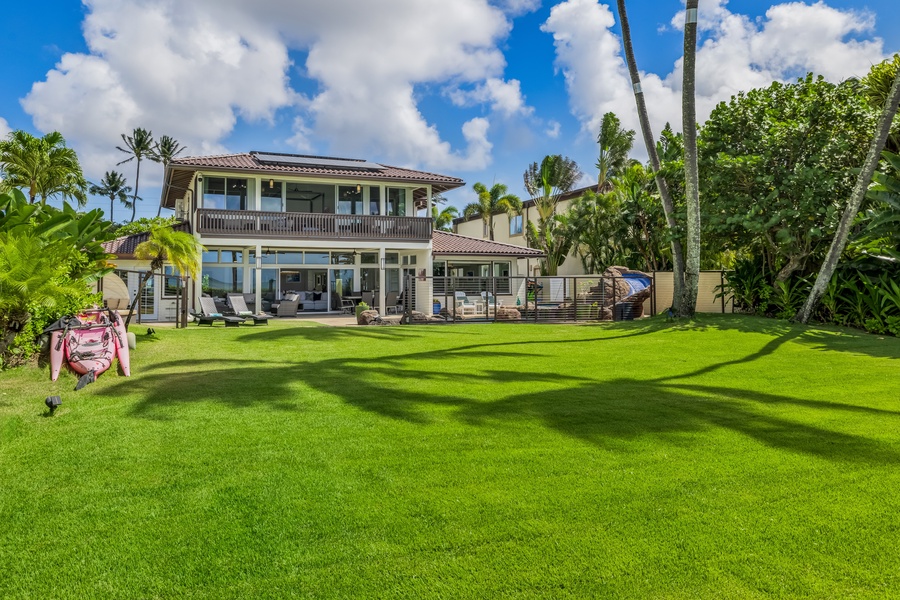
649, 141
882, 130
691, 172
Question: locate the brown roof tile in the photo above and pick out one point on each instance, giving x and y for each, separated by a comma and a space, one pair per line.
444, 242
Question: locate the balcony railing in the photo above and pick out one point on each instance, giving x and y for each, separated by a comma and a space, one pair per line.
259, 224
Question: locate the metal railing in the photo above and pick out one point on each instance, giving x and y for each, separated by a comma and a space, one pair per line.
530, 299
244, 223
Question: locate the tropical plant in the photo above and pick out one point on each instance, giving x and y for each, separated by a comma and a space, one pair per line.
137, 145
163, 151
691, 166
48, 257
181, 250
662, 184
113, 187
490, 201
145, 224
442, 219
876, 87
615, 144
43, 166
859, 192
643, 226
596, 224
545, 183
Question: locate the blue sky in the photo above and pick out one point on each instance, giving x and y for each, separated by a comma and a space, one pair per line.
469, 88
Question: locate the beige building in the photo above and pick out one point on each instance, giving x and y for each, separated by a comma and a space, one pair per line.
512, 230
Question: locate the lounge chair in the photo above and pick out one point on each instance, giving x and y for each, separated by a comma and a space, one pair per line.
490, 302
239, 305
209, 314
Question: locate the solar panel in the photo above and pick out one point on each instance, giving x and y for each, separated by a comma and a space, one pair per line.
300, 160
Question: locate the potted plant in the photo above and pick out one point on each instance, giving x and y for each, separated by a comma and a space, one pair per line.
436, 306
360, 308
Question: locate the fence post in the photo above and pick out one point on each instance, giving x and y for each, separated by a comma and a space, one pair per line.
722, 288
614, 299
575, 298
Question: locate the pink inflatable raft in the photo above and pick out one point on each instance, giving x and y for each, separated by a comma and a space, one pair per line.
88, 343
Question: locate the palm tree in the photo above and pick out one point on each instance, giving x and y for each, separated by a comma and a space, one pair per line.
139, 144
691, 170
113, 187
649, 141
839, 242
44, 166
443, 219
546, 182
163, 152
615, 144
181, 250
492, 201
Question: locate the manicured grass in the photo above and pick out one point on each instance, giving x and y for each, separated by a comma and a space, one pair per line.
733, 457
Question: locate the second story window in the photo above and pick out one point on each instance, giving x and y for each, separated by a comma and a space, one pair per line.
228, 193
270, 196
515, 225
396, 202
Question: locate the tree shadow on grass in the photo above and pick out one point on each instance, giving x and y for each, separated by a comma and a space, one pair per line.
816, 336
606, 413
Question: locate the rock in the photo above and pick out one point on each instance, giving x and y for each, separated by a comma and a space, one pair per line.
508, 313
366, 317
419, 317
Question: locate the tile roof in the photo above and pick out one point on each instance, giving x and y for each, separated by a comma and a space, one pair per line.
248, 162
444, 242
123, 247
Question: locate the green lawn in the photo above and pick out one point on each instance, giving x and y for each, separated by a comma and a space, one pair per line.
734, 457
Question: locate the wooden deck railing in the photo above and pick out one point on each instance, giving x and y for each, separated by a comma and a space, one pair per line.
259, 224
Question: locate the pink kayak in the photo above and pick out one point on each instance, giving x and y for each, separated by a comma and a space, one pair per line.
89, 343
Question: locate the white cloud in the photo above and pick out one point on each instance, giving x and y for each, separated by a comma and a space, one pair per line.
191, 70
519, 7
505, 97
4, 128
553, 130
737, 54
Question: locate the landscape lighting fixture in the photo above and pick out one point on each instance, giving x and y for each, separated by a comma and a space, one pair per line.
52, 402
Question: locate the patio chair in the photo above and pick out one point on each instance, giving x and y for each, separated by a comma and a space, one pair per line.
490, 302
209, 314
464, 304
392, 304
240, 309
370, 299
289, 306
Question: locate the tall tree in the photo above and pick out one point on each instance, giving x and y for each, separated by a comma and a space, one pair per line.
164, 150
691, 170
615, 144
546, 183
113, 187
44, 166
649, 141
859, 191
442, 219
180, 249
491, 201
137, 145
596, 222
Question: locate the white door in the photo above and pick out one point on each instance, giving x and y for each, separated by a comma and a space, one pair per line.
148, 304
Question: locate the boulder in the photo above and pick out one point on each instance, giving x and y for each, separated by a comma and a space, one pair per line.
508, 313
366, 317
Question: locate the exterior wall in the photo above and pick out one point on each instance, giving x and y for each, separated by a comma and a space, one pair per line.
165, 306
706, 295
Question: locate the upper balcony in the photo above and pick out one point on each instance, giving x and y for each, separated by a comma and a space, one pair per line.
294, 225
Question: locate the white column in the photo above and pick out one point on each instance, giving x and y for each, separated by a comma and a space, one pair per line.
428, 205
245, 259
258, 305
425, 289
381, 281
382, 210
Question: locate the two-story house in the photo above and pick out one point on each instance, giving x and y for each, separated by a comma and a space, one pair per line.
277, 223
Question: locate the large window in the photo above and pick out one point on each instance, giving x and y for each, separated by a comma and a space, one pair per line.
220, 281
396, 202
374, 200
270, 196
350, 200
170, 283
515, 225
229, 193
309, 198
